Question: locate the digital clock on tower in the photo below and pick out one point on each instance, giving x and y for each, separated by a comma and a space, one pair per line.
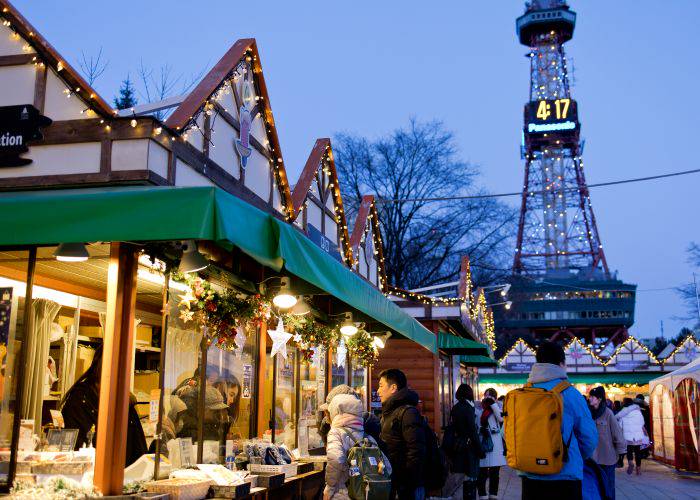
551, 115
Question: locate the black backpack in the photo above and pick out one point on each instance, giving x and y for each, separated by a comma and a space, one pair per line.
435, 467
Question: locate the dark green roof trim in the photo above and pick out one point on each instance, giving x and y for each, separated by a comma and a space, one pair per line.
165, 213
476, 360
452, 344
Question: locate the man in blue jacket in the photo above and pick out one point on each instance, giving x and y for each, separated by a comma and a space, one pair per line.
577, 428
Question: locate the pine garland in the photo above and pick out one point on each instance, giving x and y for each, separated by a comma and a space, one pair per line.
219, 314
361, 347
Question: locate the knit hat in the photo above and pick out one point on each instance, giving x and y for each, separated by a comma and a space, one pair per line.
598, 392
339, 389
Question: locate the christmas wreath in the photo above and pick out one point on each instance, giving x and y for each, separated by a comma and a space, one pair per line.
219, 314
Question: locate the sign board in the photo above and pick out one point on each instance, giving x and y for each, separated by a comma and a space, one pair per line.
519, 367
324, 242
19, 125
628, 365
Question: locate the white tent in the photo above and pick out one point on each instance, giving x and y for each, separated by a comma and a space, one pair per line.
675, 411
672, 379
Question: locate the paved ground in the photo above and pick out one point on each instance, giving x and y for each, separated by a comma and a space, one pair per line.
656, 482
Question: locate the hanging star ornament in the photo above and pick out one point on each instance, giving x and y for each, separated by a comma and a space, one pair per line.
341, 353
279, 340
240, 339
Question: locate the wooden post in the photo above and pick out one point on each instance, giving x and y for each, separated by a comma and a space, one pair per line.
113, 415
262, 417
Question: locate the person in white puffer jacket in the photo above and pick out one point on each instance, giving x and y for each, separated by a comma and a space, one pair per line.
632, 422
346, 417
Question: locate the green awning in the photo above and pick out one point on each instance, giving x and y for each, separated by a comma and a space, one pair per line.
149, 213
476, 360
640, 378
138, 213
452, 344
306, 260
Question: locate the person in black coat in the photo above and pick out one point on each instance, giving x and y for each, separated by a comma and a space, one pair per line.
403, 435
81, 404
468, 445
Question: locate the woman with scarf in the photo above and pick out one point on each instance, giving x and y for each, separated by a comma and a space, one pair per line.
599, 469
490, 422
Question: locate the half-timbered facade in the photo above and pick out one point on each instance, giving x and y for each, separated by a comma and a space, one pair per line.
366, 244
221, 134
318, 205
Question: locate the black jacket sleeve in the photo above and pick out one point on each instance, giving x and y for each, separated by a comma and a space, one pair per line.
413, 433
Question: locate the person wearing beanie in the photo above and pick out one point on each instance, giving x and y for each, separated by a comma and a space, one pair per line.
599, 474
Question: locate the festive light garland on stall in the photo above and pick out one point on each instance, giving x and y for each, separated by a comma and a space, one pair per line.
585, 347
513, 348
630, 339
689, 338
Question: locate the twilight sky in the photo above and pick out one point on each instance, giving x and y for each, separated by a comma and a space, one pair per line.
366, 67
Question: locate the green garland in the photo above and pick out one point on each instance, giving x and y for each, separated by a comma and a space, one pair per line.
219, 314
361, 347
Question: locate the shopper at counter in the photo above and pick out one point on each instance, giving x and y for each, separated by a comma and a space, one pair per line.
81, 404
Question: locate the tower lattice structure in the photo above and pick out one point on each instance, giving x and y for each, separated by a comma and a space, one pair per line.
557, 228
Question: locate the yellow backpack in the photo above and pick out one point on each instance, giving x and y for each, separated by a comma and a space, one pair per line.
532, 428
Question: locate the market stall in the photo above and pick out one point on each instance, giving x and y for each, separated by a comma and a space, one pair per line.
163, 314
675, 410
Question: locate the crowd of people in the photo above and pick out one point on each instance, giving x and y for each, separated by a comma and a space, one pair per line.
595, 434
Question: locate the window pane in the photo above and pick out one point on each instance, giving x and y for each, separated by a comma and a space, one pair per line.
358, 381
285, 399
312, 377
13, 278
339, 371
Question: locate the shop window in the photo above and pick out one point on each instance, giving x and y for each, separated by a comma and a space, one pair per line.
358, 380
312, 392
339, 363
223, 414
13, 279
285, 399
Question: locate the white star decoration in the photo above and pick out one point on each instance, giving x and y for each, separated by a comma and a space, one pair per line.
341, 352
279, 340
240, 339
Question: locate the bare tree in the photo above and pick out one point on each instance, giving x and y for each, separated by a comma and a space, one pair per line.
157, 85
688, 292
424, 241
92, 66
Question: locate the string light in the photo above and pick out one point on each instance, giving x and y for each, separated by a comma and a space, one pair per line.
630, 339
525, 347
688, 339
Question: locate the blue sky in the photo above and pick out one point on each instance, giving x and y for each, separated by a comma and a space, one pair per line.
367, 67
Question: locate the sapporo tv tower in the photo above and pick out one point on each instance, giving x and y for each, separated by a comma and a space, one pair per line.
561, 285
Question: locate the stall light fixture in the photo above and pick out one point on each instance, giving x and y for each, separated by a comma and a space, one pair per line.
71, 252
504, 292
284, 298
348, 328
192, 261
508, 304
379, 341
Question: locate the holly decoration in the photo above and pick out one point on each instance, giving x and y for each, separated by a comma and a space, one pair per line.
309, 333
219, 314
361, 347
